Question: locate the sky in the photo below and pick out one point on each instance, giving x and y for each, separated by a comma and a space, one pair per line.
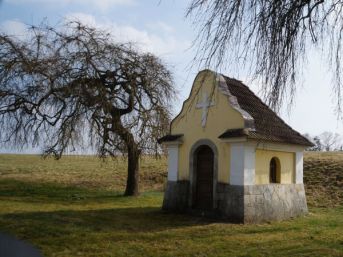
160, 27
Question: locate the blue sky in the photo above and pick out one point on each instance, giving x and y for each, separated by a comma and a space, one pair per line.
159, 26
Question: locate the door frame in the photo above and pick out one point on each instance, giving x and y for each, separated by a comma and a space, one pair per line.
192, 170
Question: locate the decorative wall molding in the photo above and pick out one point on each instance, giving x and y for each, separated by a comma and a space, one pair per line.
278, 147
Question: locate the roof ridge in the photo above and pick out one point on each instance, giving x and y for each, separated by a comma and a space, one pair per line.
239, 83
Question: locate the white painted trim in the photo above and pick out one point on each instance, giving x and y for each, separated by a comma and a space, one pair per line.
173, 162
242, 166
224, 89
299, 162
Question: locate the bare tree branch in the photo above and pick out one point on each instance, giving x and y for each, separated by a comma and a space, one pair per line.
73, 85
270, 39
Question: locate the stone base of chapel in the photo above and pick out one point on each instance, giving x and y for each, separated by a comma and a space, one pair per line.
243, 204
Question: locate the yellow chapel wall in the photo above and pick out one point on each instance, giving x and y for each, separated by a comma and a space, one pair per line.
262, 162
220, 117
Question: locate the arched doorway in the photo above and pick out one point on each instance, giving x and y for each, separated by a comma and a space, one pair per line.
204, 173
274, 170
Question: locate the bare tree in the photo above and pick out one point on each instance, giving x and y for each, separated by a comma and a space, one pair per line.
318, 144
330, 141
269, 38
72, 85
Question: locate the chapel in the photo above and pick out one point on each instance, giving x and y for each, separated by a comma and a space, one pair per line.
230, 156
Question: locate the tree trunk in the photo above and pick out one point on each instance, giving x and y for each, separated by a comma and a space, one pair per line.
132, 188
133, 153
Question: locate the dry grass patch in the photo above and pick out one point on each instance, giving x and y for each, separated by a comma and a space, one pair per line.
323, 178
83, 171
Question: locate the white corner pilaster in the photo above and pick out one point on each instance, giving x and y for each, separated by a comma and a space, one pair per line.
237, 164
173, 161
249, 164
242, 166
299, 161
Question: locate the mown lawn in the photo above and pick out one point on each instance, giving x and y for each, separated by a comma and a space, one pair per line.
45, 203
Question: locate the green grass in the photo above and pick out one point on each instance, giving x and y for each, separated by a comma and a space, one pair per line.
74, 207
82, 171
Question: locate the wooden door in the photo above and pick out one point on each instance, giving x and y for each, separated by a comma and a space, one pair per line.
204, 178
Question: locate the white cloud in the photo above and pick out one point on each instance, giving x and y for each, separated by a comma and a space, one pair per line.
161, 27
159, 40
14, 28
100, 4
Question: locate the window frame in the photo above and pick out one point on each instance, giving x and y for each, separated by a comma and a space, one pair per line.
274, 171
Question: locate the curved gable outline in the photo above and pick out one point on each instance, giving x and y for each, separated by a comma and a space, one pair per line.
188, 98
249, 122
220, 82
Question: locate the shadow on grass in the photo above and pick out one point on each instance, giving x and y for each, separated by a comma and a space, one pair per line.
120, 214
132, 220
80, 230
51, 192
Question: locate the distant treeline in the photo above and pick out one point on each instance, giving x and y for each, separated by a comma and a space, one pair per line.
326, 141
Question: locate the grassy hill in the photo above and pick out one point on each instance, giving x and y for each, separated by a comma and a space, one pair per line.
73, 207
323, 178
83, 171
323, 173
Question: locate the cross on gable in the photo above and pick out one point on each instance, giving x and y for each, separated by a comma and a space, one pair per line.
204, 105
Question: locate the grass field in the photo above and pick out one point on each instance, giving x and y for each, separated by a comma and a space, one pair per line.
74, 207
323, 178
